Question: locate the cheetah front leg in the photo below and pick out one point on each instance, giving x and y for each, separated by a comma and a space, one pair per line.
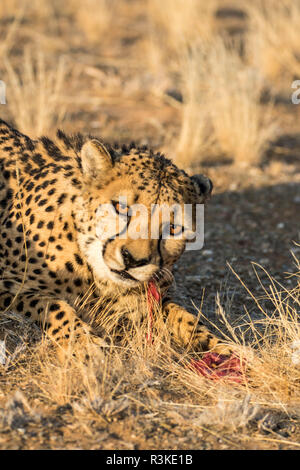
55, 316
188, 332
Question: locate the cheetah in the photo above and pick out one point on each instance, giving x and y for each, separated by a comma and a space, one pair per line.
51, 251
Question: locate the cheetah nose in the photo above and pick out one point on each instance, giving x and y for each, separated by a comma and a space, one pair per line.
131, 262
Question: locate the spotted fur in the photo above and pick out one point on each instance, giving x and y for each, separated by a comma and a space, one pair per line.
50, 256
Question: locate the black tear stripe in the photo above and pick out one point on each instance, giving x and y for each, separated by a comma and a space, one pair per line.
115, 236
161, 263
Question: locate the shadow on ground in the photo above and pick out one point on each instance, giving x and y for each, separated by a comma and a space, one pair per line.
252, 226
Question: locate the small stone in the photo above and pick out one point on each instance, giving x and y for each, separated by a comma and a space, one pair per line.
207, 252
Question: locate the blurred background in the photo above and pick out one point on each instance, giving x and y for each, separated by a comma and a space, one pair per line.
208, 82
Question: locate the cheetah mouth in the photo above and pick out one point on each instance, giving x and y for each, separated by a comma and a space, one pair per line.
124, 275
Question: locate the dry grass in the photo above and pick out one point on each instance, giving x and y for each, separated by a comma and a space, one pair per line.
222, 114
37, 9
275, 369
9, 8
274, 38
176, 25
196, 138
134, 378
13, 12
93, 17
36, 99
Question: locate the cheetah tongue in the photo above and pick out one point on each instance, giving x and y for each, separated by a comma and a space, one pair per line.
152, 291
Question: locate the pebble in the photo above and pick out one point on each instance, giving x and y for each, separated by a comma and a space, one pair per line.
207, 252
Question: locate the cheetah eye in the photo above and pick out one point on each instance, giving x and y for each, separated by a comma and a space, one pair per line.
176, 229
120, 207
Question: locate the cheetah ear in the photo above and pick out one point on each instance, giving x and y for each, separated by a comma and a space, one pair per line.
203, 184
95, 158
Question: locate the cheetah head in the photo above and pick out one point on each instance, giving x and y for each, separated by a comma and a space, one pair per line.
125, 230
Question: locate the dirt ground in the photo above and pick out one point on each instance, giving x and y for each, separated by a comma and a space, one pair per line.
251, 233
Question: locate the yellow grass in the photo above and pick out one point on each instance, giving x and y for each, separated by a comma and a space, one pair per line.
221, 111
131, 377
274, 38
176, 24
12, 12
94, 17
8, 8
221, 114
36, 93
